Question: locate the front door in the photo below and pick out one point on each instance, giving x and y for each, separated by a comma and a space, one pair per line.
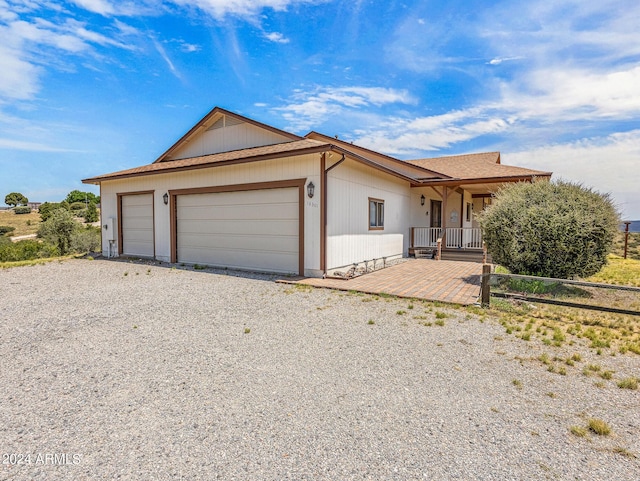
436, 213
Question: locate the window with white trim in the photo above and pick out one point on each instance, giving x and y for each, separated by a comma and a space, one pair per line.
376, 214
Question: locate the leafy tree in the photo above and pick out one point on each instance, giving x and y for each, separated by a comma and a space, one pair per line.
15, 198
46, 208
91, 215
58, 229
84, 197
551, 229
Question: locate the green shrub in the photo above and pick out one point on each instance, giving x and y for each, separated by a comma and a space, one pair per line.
27, 250
22, 210
58, 228
551, 229
77, 206
46, 208
5, 229
86, 239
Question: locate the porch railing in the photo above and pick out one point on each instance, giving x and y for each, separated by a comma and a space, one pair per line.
455, 237
426, 236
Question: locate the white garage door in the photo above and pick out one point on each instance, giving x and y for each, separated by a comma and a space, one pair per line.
137, 225
253, 229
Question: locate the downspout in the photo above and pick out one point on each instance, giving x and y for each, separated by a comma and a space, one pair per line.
324, 216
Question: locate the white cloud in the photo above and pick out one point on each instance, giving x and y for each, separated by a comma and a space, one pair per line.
415, 136
574, 94
30, 146
19, 79
276, 37
189, 47
609, 164
499, 60
103, 7
165, 57
31, 45
247, 8
128, 8
311, 108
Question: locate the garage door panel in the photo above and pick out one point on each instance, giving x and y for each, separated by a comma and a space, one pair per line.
137, 225
137, 210
249, 197
243, 229
138, 236
242, 242
133, 200
264, 227
239, 259
249, 212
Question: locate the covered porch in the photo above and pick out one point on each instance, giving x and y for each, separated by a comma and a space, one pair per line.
444, 211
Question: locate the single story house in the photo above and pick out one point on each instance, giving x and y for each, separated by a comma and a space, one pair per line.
236, 193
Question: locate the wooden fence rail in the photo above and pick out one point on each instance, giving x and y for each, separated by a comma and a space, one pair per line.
485, 291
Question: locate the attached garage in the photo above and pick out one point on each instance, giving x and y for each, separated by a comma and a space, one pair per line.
136, 236
252, 226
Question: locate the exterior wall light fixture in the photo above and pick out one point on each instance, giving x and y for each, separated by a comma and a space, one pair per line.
165, 198
422, 199
310, 189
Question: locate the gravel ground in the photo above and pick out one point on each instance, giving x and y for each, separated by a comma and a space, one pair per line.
138, 371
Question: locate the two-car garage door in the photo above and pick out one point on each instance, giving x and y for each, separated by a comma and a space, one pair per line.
247, 229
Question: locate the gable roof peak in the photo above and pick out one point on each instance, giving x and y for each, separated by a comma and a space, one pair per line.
210, 119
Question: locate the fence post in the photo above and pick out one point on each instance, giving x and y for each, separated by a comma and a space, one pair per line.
438, 249
485, 288
484, 253
626, 237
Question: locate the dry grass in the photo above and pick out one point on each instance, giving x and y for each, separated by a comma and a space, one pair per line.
624, 272
25, 224
560, 326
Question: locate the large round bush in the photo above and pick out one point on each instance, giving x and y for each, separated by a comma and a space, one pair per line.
552, 229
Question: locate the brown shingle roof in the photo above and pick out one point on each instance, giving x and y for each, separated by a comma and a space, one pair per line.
286, 149
414, 172
476, 166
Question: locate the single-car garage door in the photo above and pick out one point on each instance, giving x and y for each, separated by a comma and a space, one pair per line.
249, 229
136, 224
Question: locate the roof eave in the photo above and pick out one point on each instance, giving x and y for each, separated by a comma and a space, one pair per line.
255, 158
485, 180
371, 163
393, 159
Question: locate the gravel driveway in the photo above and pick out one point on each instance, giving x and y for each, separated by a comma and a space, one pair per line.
115, 370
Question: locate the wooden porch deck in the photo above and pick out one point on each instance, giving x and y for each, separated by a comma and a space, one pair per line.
445, 281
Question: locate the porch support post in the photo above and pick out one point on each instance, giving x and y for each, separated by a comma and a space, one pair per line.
445, 196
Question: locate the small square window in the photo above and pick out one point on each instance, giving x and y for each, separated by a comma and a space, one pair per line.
376, 214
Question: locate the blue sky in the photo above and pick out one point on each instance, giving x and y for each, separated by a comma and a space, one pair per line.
93, 86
